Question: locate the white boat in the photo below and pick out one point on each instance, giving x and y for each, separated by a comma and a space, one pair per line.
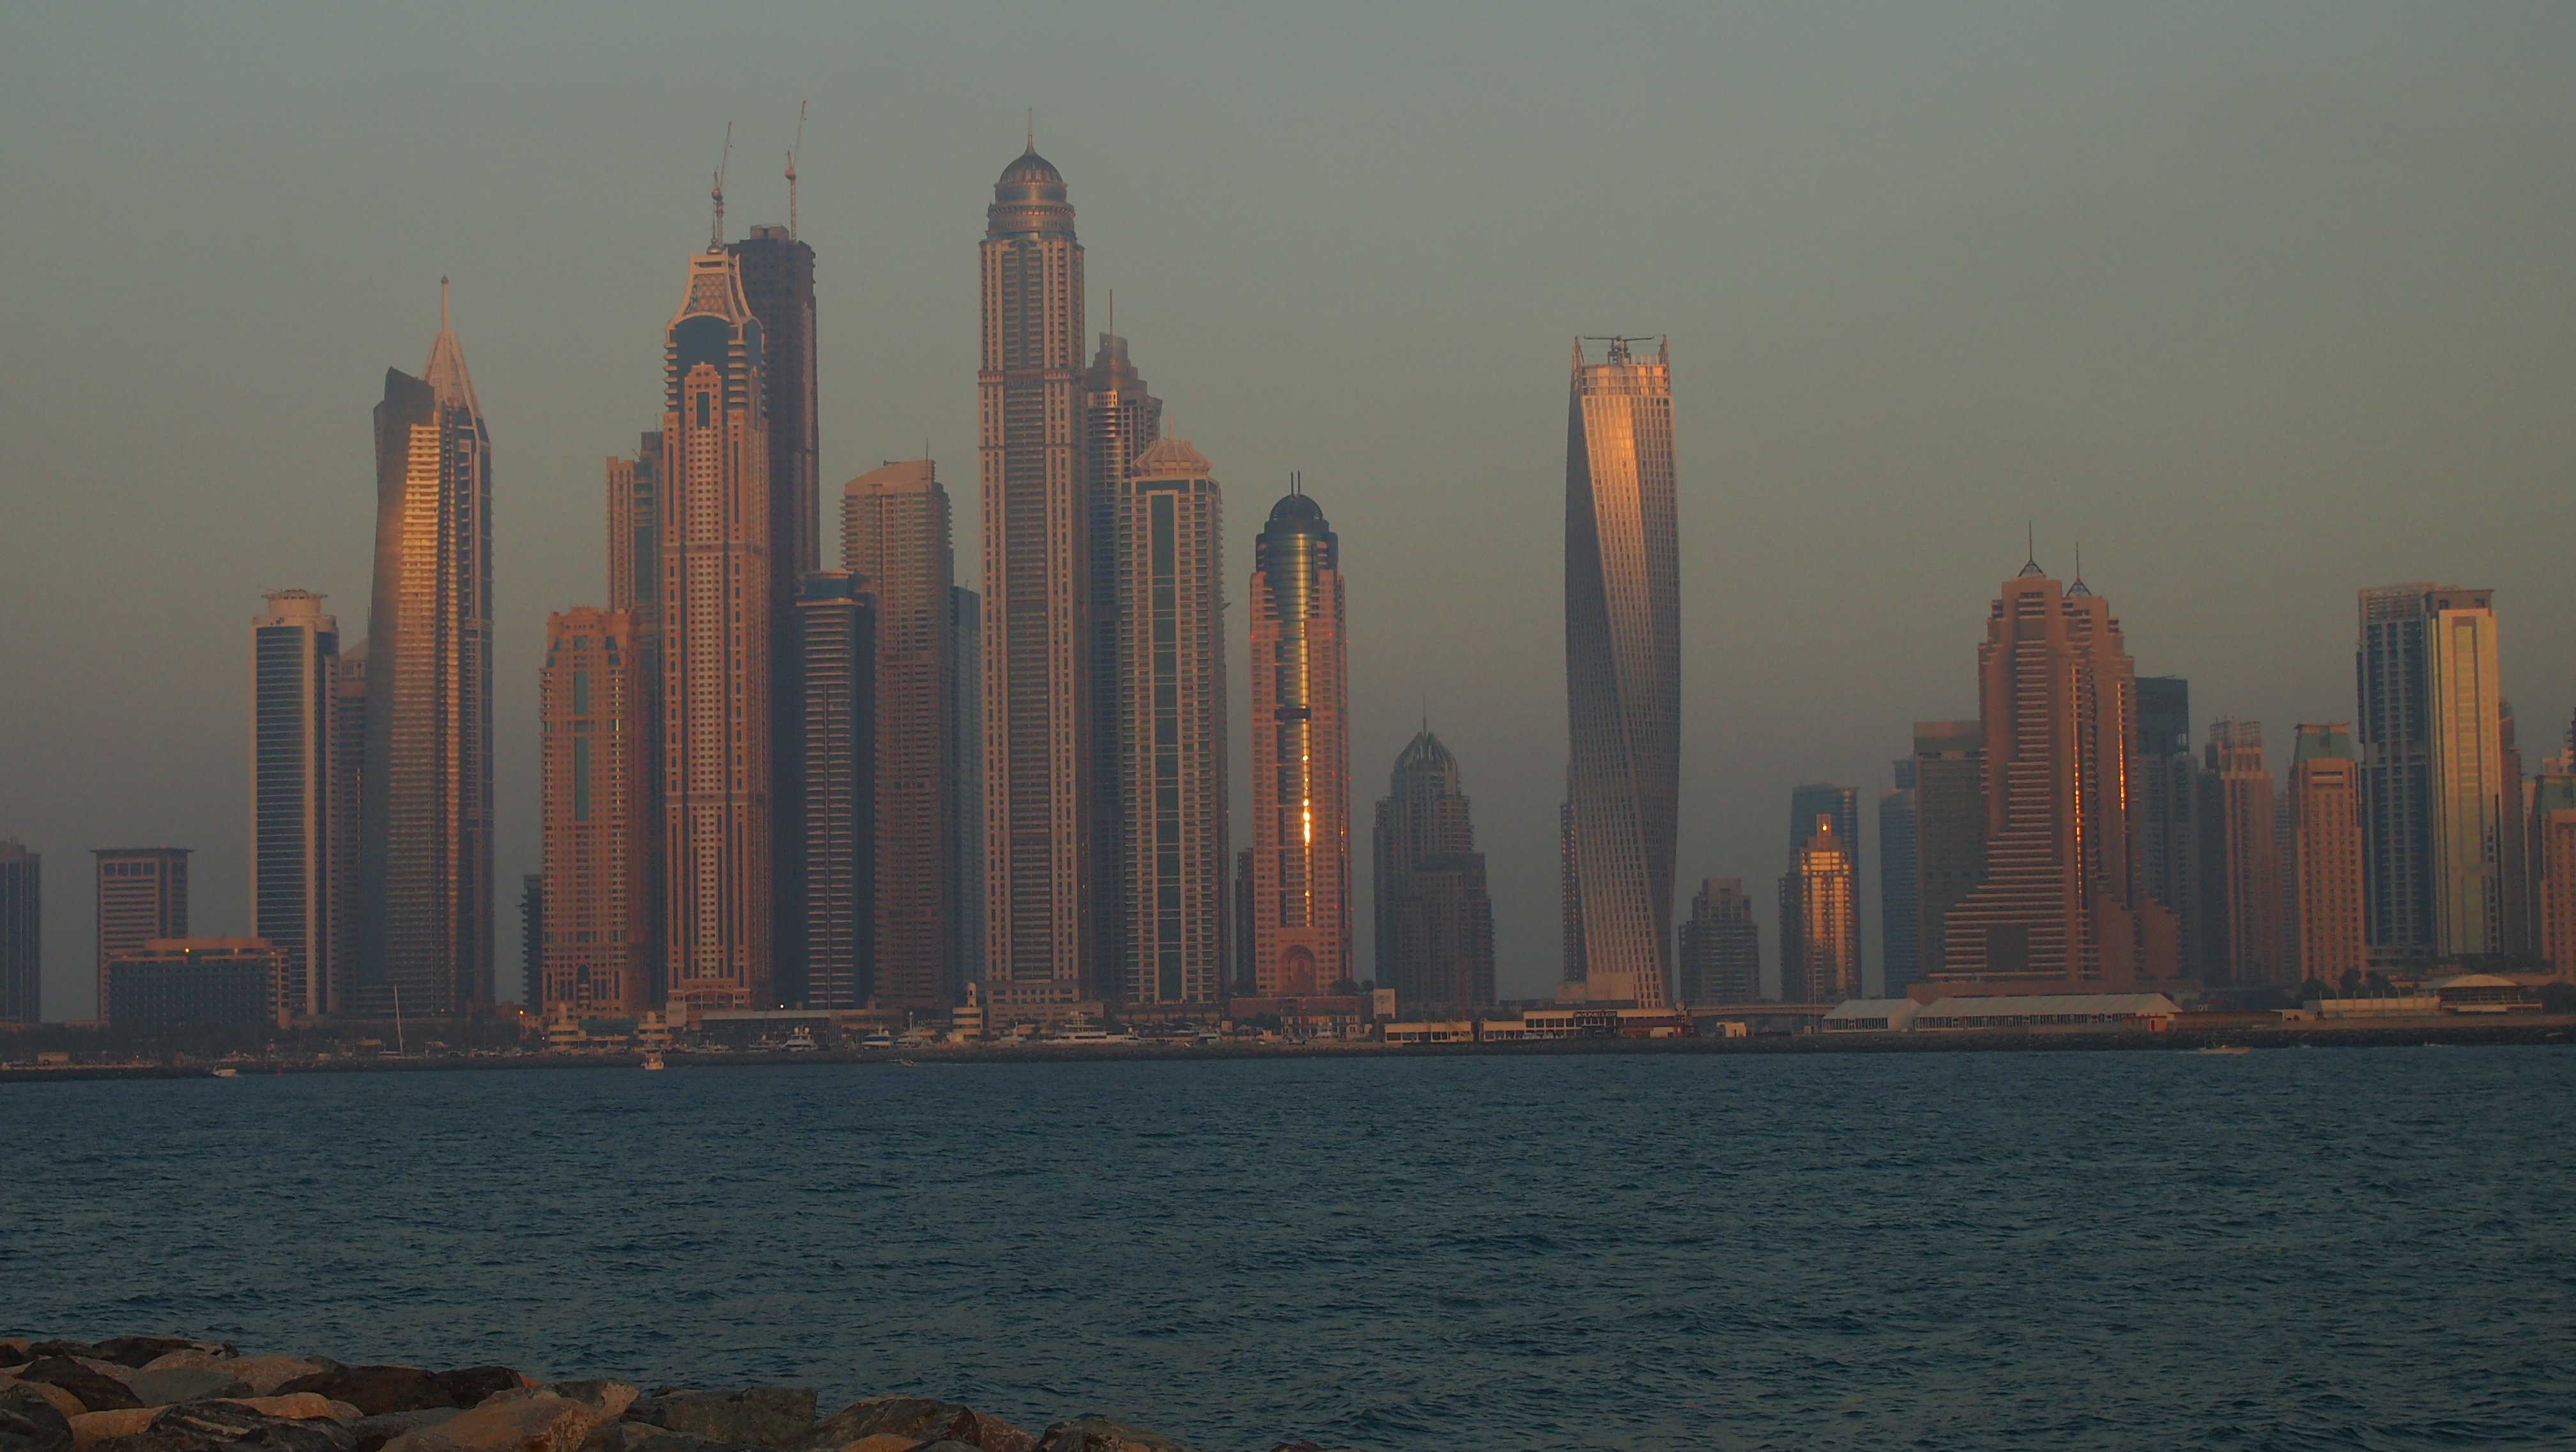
2226, 1049
225, 1073
653, 1060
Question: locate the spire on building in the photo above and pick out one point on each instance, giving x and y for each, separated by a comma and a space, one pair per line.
446, 375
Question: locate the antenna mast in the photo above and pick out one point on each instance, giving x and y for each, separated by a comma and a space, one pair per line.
715, 239
791, 170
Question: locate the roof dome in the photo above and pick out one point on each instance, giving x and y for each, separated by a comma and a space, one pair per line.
1296, 507
1031, 169
1425, 753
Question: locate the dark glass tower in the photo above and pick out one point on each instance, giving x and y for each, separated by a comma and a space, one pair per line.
836, 628
295, 659
22, 977
1435, 917
1899, 893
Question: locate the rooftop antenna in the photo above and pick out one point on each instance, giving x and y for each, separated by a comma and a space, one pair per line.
442, 305
2080, 588
797, 146
1113, 312
715, 239
1033, 129
2030, 560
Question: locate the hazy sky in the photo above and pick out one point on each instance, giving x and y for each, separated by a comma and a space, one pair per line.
2260, 304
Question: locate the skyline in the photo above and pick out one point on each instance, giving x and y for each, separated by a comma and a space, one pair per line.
1441, 486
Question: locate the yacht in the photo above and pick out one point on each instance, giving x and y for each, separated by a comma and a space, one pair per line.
653, 1059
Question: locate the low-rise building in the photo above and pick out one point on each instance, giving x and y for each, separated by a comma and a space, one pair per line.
1863, 1015
2151, 1012
2411, 1005
1437, 1031
171, 983
2484, 993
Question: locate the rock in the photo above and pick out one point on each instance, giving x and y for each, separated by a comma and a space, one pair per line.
91, 1427
1100, 1434
39, 1350
373, 1433
605, 1401
536, 1422
30, 1422
13, 1351
265, 1374
645, 1437
63, 1402
468, 1385
184, 1384
142, 1351
235, 1426
761, 1415
374, 1390
298, 1407
917, 1418
98, 1392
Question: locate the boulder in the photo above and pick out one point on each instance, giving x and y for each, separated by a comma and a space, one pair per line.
38, 1350
196, 1426
760, 1415
29, 1422
90, 1427
605, 1401
298, 1407
184, 1384
14, 1352
468, 1385
645, 1437
374, 1390
918, 1418
373, 1433
536, 1422
1099, 1434
142, 1351
263, 1374
53, 1396
98, 1392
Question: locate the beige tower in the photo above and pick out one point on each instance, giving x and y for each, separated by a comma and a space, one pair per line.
2324, 868
1819, 921
715, 623
894, 536
1037, 642
1301, 758
1170, 677
591, 703
2553, 862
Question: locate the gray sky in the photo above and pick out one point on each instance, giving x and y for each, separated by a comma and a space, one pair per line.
2261, 304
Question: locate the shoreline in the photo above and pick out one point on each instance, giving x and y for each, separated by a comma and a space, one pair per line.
2552, 1029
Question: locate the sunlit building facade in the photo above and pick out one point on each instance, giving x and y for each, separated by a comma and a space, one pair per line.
716, 642
1301, 848
1623, 675
592, 699
1819, 920
2324, 866
425, 890
2432, 751
2553, 863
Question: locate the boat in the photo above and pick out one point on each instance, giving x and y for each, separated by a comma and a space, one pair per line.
225, 1073
800, 1040
2225, 1049
653, 1060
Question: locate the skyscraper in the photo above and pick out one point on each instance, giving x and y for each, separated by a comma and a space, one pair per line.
1037, 642
635, 590
532, 942
1435, 916
2324, 867
2432, 772
2244, 883
1623, 671
777, 274
2165, 809
425, 857
1949, 831
295, 661
966, 781
1899, 893
894, 537
142, 895
1168, 547
1819, 920
1301, 763
716, 641
1721, 948
835, 643
2061, 900
594, 895
1813, 799
2553, 859
22, 941
2514, 933
1121, 420
348, 778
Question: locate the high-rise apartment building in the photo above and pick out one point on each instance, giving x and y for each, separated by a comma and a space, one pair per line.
1623, 672
348, 802
22, 940
1121, 420
2514, 935
2165, 809
1168, 546
1038, 702
295, 673
2324, 864
1721, 947
837, 630
965, 772
532, 941
2432, 746
2553, 862
1435, 916
717, 640
1813, 799
425, 908
594, 895
895, 538
777, 274
1819, 920
1301, 764
142, 896
2061, 900
1949, 831
635, 591
2244, 871
1899, 891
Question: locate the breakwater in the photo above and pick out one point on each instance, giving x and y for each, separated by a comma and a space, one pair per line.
178, 1394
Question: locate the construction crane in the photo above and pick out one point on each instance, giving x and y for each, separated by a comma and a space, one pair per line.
797, 146
715, 242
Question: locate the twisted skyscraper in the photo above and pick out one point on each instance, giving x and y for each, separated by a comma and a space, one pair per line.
1623, 676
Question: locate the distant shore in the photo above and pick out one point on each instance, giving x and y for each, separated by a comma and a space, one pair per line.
2557, 1029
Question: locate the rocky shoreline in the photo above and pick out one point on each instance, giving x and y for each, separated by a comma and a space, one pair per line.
175, 1394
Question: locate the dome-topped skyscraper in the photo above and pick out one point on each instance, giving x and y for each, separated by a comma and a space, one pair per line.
1301, 844
1435, 919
